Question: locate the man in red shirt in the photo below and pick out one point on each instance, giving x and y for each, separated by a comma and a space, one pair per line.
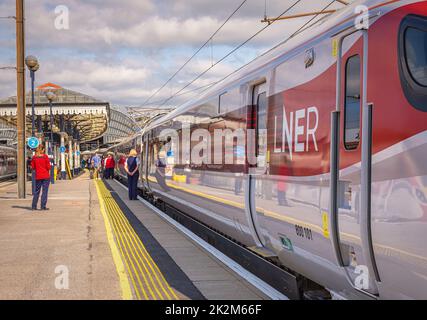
41, 165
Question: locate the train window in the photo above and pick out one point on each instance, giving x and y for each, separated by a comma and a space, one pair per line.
229, 101
262, 126
413, 60
416, 54
352, 103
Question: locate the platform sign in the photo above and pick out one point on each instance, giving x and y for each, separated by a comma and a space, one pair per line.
33, 143
62, 149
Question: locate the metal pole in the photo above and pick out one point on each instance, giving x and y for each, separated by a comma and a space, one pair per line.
52, 178
63, 172
51, 126
70, 154
20, 97
33, 121
33, 125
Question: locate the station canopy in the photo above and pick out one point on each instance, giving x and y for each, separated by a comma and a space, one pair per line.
84, 116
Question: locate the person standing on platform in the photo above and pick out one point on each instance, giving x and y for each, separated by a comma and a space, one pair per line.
41, 165
132, 170
29, 169
96, 161
110, 164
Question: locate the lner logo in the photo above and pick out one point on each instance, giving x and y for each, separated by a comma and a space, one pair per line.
296, 130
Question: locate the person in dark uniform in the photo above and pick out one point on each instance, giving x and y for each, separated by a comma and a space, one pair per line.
132, 170
41, 166
29, 159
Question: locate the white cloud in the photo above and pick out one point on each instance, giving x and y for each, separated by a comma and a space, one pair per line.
122, 51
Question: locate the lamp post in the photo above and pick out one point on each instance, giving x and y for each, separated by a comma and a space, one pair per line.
32, 65
51, 96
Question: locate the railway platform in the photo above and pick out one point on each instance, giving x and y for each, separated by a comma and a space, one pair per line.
95, 244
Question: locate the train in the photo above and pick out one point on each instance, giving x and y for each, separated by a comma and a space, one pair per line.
7, 163
331, 176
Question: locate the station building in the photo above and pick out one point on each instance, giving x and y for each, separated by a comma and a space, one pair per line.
80, 123
120, 126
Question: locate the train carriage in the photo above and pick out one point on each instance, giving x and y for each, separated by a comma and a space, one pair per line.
7, 163
338, 190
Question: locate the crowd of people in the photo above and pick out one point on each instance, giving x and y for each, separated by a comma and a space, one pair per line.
98, 165
104, 166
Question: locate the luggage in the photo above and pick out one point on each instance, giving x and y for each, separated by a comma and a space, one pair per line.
91, 174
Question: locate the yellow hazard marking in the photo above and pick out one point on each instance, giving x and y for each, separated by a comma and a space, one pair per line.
334, 47
179, 177
123, 279
147, 279
325, 225
67, 165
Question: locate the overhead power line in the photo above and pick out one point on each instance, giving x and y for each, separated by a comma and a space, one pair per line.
195, 53
228, 54
7, 68
302, 28
183, 93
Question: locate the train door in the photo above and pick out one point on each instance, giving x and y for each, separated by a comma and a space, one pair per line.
351, 139
257, 186
144, 161
150, 159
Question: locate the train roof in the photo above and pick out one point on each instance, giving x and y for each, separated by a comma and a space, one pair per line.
325, 27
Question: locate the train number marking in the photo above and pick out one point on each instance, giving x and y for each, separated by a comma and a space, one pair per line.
303, 232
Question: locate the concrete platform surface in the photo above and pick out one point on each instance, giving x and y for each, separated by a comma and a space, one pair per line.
66, 252
39, 248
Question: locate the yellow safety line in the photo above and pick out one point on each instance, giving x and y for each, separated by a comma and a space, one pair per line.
145, 255
148, 258
274, 215
123, 227
123, 279
127, 249
131, 274
124, 241
122, 231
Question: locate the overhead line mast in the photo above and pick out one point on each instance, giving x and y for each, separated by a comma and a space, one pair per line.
301, 15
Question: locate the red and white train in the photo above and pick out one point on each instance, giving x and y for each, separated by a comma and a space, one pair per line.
339, 192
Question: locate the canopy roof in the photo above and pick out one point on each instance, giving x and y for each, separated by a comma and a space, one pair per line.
87, 115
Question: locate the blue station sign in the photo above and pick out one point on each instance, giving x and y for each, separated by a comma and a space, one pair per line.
33, 143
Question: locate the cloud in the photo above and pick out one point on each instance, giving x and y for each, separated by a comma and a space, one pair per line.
122, 51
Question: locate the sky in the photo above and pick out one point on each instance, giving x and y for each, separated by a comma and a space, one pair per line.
122, 51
